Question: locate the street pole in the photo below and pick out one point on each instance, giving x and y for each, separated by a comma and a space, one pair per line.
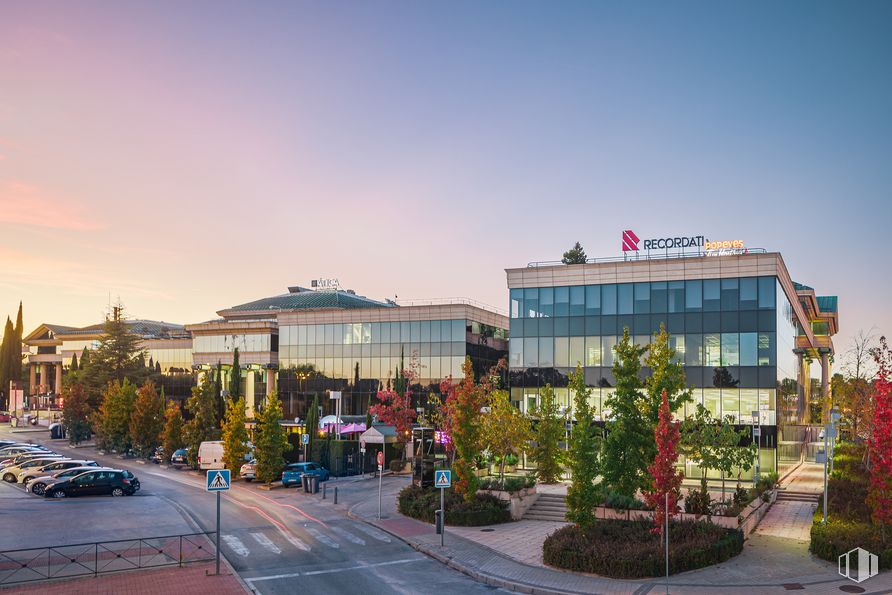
442, 515
824, 520
380, 479
666, 514
218, 534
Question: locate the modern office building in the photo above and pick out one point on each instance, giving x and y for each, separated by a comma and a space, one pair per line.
168, 349
745, 332
309, 342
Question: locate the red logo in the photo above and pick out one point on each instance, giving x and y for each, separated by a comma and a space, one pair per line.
630, 241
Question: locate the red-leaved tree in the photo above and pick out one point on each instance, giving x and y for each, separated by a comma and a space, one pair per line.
879, 494
665, 477
395, 409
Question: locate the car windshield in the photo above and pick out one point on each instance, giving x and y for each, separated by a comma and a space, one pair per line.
294, 467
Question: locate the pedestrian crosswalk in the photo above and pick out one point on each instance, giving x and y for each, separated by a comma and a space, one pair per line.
283, 541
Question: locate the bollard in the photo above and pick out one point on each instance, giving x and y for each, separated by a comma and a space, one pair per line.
336, 494
323, 491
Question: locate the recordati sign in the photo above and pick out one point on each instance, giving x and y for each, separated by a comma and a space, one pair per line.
632, 243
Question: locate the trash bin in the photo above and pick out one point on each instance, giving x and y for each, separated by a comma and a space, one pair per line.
304, 481
313, 483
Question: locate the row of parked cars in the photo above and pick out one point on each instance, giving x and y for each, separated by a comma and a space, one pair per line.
49, 474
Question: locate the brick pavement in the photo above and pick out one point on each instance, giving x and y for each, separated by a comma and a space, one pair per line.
192, 579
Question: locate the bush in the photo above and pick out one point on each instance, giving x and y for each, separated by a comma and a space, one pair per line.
511, 484
485, 509
698, 501
839, 536
629, 549
511, 459
847, 499
619, 501
766, 483
396, 465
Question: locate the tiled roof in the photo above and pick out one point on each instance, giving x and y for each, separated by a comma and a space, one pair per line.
303, 299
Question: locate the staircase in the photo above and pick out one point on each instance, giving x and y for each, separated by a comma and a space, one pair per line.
784, 495
548, 507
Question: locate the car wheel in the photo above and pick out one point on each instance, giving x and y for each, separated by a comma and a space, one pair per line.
9, 477
59, 494
117, 492
38, 488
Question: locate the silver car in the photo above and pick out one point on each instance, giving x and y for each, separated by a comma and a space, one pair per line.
27, 456
11, 473
39, 484
26, 475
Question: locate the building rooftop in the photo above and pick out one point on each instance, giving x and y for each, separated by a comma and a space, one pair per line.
301, 298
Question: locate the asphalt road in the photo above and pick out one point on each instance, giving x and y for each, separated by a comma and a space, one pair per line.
278, 541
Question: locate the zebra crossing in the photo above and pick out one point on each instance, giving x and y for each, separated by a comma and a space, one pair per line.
271, 542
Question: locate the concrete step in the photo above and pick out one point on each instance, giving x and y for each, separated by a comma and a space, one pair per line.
555, 518
552, 505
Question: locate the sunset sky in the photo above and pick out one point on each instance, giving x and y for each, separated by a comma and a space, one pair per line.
189, 156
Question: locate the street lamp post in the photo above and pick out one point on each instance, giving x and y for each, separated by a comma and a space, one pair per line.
829, 433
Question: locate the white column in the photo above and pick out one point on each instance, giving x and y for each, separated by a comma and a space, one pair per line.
249, 393
59, 378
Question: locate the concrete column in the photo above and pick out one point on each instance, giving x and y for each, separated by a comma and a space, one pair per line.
32, 375
271, 383
44, 385
800, 404
249, 393
58, 378
825, 385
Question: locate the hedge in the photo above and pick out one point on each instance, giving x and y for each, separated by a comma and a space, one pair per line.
420, 503
839, 536
629, 549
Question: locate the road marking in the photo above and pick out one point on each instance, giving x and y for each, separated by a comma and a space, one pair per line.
322, 538
297, 542
266, 542
332, 570
236, 545
348, 536
372, 532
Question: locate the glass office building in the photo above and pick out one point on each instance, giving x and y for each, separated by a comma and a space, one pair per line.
735, 324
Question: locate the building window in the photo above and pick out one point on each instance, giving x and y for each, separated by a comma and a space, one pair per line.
712, 348
766, 292
694, 296
625, 299
642, 298
593, 300
608, 300
577, 301
712, 295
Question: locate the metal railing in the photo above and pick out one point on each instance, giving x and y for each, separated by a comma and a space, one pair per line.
632, 257
102, 557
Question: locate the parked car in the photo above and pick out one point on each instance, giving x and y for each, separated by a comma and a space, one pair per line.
26, 475
5, 417
11, 451
293, 473
39, 484
26, 456
247, 470
179, 457
11, 473
133, 480
92, 483
158, 456
210, 455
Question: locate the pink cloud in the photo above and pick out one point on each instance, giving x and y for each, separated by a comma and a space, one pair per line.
25, 204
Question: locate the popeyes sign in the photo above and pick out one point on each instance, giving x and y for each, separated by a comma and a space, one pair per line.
632, 243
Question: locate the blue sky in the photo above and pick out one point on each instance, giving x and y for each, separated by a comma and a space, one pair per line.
187, 157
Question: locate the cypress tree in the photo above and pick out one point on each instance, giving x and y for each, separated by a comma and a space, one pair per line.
235, 381
19, 333
218, 393
4, 361
312, 423
271, 441
73, 366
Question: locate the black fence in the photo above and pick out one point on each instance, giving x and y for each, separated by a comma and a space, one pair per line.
103, 557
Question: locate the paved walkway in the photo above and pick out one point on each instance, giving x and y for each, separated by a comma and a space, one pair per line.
192, 579
775, 559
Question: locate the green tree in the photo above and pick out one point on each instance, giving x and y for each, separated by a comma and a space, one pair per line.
667, 374
629, 446
203, 425
312, 424
504, 429
76, 414
466, 399
112, 423
147, 420
16, 358
173, 437
575, 255
714, 444
235, 379
549, 431
218, 394
270, 442
118, 356
73, 366
5, 364
235, 435
583, 495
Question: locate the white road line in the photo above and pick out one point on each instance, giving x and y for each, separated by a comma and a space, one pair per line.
321, 537
266, 542
273, 577
296, 541
236, 545
372, 532
348, 536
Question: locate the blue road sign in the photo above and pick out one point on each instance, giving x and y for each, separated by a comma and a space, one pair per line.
218, 480
304, 438
443, 478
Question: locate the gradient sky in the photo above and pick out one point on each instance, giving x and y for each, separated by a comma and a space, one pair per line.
189, 156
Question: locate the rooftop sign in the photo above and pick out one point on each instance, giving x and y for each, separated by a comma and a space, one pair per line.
632, 243
323, 283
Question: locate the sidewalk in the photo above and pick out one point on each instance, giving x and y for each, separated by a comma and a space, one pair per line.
509, 556
192, 579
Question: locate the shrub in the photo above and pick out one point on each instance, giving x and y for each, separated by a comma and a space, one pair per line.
396, 465
766, 483
622, 502
420, 503
511, 459
511, 484
847, 499
629, 549
481, 462
698, 501
839, 536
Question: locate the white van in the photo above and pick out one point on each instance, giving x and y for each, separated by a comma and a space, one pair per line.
210, 455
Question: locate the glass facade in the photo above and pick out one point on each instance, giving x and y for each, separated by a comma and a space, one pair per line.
361, 358
735, 338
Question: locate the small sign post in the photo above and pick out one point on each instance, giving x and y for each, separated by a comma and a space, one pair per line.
218, 481
380, 459
305, 440
442, 480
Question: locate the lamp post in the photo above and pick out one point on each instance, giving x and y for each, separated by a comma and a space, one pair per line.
829, 433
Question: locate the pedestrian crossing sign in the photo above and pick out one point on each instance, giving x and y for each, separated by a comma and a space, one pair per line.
218, 480
443, 478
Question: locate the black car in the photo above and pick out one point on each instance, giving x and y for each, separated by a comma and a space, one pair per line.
93, 483
133, 480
